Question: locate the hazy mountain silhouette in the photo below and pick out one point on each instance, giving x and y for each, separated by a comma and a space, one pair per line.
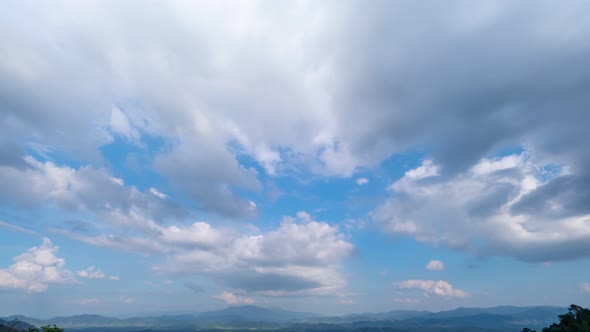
505, 318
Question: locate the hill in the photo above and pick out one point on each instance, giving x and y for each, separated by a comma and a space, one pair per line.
14, 325
502, 318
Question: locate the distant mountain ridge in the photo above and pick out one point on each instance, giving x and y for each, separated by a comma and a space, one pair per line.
247, 313
254, 314
12, 325
495, 318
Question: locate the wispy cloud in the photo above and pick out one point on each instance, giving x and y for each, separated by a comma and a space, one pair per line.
432, 287
231, 298
16, 228
94, 273
435, 265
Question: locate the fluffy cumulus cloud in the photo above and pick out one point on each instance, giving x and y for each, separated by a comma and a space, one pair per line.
432, 288
231, 298
362, 181
585, 287
485, 209
435, 265
36, 269
301, 255
94, 273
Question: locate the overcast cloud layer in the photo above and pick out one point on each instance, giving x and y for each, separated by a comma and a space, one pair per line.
219, 100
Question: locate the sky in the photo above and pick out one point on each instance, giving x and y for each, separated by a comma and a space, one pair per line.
325, 156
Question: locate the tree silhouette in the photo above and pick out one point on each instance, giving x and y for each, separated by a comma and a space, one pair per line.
577, 319
46, 328
51, 328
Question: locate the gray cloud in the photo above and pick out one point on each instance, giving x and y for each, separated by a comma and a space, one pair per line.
11, 153
299, 256
302, 255
563, 196
254, 282
324, 87
465, 81
209, 175
479, 75
82, 189
487, 210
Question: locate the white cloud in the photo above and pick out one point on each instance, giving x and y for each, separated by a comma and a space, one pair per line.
304, 216
433, 287
36, 269
426, 170
39, 267
362, 181
479, 210
435, 265
231, 298
91, 273
81, 189
301, 255
94, 273
312, 119
158, 193
585, 287
327, 108
16, 228
121, 125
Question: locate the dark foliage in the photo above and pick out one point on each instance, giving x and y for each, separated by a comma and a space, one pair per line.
47, 328
577, 319
5, 328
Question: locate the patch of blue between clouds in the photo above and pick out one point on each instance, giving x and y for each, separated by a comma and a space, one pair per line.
133, 161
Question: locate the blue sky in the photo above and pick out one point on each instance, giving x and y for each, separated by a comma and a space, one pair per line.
332, 157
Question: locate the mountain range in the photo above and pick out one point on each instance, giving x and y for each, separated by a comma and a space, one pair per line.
503, 318
13, 325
